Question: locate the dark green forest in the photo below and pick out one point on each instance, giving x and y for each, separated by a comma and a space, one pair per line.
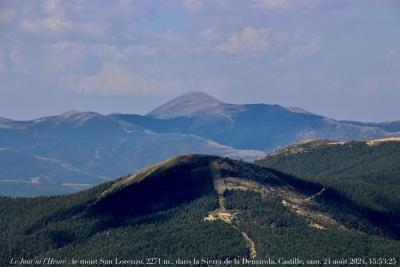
361, 179
38, 228
368, 175
159, 212
280, 233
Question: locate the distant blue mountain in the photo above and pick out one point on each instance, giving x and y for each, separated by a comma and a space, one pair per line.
63, 153
74, 150
392, 126
253, 126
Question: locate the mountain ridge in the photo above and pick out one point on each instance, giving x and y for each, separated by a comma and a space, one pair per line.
98, 145
113, 145
249, 126
390, 126
366, 171
307, 145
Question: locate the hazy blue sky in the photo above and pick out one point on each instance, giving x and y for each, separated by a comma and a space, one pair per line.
339, 58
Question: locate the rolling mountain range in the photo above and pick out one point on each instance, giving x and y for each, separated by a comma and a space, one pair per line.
253, 126
85, 144
211, 209
74, 150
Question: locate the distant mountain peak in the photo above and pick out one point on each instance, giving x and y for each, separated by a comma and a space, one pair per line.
298, 110
69, 113
78, 115
189, 105
198, 95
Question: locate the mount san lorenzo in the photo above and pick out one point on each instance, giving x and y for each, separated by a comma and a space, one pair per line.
77, 150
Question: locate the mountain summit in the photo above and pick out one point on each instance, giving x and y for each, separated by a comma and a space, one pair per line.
250, 126
192, 104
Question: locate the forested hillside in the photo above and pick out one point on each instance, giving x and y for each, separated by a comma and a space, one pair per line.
367, 173
193, 206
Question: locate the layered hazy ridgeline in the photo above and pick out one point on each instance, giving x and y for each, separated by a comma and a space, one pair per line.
77, 150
